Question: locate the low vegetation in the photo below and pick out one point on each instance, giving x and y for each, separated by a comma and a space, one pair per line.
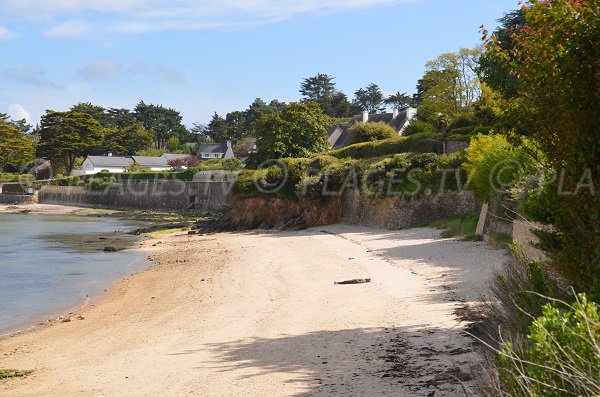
13, 373
462, 226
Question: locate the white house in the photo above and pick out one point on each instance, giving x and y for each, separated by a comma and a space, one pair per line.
154, 163
94, 164
215, 151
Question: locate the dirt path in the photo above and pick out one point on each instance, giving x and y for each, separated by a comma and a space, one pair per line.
259, 315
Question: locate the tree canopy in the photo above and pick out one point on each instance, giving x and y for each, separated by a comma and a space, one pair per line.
66, 135
370, 99
299, 130
16, 150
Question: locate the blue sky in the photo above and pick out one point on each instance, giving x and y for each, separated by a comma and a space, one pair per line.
218, 55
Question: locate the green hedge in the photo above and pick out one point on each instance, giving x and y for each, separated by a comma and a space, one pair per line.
421, 143
410, 174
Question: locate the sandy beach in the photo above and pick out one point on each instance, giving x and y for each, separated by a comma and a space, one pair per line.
258, 314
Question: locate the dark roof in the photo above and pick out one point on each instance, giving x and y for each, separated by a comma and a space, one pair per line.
338, 137
173, 156
111, 161
213, 148
151, 161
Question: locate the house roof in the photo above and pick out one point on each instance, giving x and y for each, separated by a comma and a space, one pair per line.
151, 161
338, 137
213, 148
174, 156
110, 161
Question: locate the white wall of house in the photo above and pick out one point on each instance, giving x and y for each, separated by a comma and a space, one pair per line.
208, 156
90, 169
161, 168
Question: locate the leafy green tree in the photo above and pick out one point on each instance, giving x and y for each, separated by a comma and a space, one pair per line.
165, 122
236, 125
450, 86
22, 125
368, 132
97, 112
300, 130
400, 101
217, 129
127, 140
200, 133
15, 149
340, 106
370, 98
556, 58
174, 146
64, 136
120, 118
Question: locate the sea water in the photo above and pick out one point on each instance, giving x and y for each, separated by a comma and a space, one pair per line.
41, 277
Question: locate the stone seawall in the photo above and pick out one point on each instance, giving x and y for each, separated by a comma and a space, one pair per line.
166, 195
399, 212
16, 199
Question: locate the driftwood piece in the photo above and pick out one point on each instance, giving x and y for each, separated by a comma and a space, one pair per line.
354, 281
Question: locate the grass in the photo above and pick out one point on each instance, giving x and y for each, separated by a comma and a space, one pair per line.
500, 240
13, 373
462, 226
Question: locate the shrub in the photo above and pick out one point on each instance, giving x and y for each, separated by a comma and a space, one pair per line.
418, 143
181, 162
562, 356
232, 164
369, 132
419, 127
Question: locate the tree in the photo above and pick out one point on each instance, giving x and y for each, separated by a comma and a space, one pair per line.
340, 106
400, 101
450, 85
217, 129
22, 125
369, 98
183, 162
555, 57
15, 149
64, 136
126, 141
300, 130
320, 89
120, 118
200, 133
97, 112
236, 125
165, 122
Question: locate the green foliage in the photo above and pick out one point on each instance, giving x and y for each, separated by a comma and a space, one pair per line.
555, 103
100, 182
126, 140
409, 174
64, 136
164, 122
419, 127
494, 165
369, 99
13, 373
416, 143
462, 226
369, 132
15, 149
232, 164
562, 356
299, 130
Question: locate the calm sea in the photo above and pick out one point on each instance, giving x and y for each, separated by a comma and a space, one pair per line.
40, 277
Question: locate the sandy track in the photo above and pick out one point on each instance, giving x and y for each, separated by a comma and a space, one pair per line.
258, 315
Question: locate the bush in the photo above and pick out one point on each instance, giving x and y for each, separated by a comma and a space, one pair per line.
418, 143
419, 127
562, 357
369, 132
232, 164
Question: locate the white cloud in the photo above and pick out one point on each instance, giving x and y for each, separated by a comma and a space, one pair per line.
170, 75
75, 29
6, 34
100, 70
29, 74
18, 112
136, 16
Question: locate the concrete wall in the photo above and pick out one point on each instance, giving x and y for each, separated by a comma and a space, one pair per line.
16, 199
399, 212
168, 195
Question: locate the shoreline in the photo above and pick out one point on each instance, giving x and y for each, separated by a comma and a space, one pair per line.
259, 313
66, 314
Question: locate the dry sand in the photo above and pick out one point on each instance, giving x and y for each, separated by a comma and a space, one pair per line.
258, 314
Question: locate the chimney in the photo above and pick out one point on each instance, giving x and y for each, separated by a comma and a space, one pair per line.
365, 116
229, 145
395, 113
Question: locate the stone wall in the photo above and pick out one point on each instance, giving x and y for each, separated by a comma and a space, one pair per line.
167, 195
16, 199
522, 233
400, 212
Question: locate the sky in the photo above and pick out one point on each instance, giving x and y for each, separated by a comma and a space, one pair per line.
206, 56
